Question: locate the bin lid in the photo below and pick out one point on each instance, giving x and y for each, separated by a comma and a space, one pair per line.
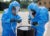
24, 28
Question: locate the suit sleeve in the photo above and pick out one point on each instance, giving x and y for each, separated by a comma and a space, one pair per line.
19, 19
5, 19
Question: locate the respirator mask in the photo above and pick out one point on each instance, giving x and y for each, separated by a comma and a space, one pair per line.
15, 10
32, 13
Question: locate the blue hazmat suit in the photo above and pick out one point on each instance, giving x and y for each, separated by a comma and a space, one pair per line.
41, 18
10, 27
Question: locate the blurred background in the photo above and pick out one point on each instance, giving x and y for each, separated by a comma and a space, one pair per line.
24, 3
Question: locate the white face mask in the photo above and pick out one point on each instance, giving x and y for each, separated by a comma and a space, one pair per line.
17, 9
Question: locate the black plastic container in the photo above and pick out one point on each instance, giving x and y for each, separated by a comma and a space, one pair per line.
25, 31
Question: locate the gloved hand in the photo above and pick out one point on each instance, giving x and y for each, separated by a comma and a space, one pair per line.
18, 21
15, 20
12, 20
35, 23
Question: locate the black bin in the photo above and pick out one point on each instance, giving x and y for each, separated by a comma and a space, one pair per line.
25, 31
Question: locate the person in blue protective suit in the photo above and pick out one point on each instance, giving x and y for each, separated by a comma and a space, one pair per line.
38, 17
32, 12
10, 18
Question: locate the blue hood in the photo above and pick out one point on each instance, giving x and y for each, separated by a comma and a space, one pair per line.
13, 4
33, 6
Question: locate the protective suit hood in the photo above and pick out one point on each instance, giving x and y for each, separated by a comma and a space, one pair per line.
33, 6
13, 4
